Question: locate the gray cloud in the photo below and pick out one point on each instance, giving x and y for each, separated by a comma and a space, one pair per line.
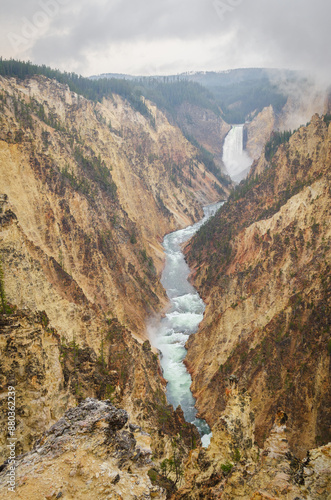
288, 33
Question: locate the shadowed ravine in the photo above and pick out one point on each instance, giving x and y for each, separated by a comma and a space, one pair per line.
185, 313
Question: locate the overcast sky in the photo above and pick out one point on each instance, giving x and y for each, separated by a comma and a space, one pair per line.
167, 36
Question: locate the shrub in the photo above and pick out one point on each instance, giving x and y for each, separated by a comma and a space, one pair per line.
227, 467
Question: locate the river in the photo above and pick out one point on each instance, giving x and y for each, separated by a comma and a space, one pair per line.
182, 319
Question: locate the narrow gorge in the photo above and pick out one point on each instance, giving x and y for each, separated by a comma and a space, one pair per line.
125, 204
182, 318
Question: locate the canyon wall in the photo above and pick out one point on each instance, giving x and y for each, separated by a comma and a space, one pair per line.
262, 266
204, 126
302, 102
95, 187
88, 190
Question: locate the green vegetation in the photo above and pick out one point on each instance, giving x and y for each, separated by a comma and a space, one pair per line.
24, 112
173, 465
133, 239
277, 138
44, 319
170, 94
207, 159
97, 171
94, 90
236, 455
2, 291
152, 474
227, 467
207, 235
5, 308
283, 197
167, 95
211, 248
77, 184
240, 94
243, 100
327, 118
244, 187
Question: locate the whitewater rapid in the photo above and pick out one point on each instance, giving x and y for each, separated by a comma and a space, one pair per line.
185, 313
236, 160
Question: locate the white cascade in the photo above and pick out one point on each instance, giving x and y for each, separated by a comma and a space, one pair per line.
236, 160
170, 333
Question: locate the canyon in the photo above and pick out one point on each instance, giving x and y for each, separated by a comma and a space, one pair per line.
88, 190
84, 209
262, 266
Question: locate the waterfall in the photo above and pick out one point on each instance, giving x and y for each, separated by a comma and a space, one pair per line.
235, 158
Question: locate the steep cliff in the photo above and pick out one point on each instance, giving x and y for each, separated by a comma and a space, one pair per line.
97, 198
302, 102
92, 450
205, 127
263, 267
233, 467
88, 190
258, 132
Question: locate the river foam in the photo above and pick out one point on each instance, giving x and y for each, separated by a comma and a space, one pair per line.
171, 332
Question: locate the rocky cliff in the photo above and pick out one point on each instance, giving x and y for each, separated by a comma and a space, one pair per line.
234, 467
302, 102
205, 127
94, 188
88, 190
263, 267
95, 448
258, 132
92, 448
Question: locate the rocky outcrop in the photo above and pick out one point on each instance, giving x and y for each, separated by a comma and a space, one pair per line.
263, 266
88, 191
303, 101
94, 187
92, 450
232, 467
205, 126
258, 132
50, 375
30, 362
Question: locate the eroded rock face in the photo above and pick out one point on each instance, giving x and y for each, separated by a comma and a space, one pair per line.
258, 132
302, 103
94, 187
92, 450
205, 126
88, 191
234, 467
51, 375
263, 268
30, 362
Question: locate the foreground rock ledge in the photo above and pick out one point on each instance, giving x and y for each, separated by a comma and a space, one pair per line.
92, 451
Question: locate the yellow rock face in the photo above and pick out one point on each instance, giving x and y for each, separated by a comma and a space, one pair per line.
91, 451
259, 131
268, 305
87, 193
58, 174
